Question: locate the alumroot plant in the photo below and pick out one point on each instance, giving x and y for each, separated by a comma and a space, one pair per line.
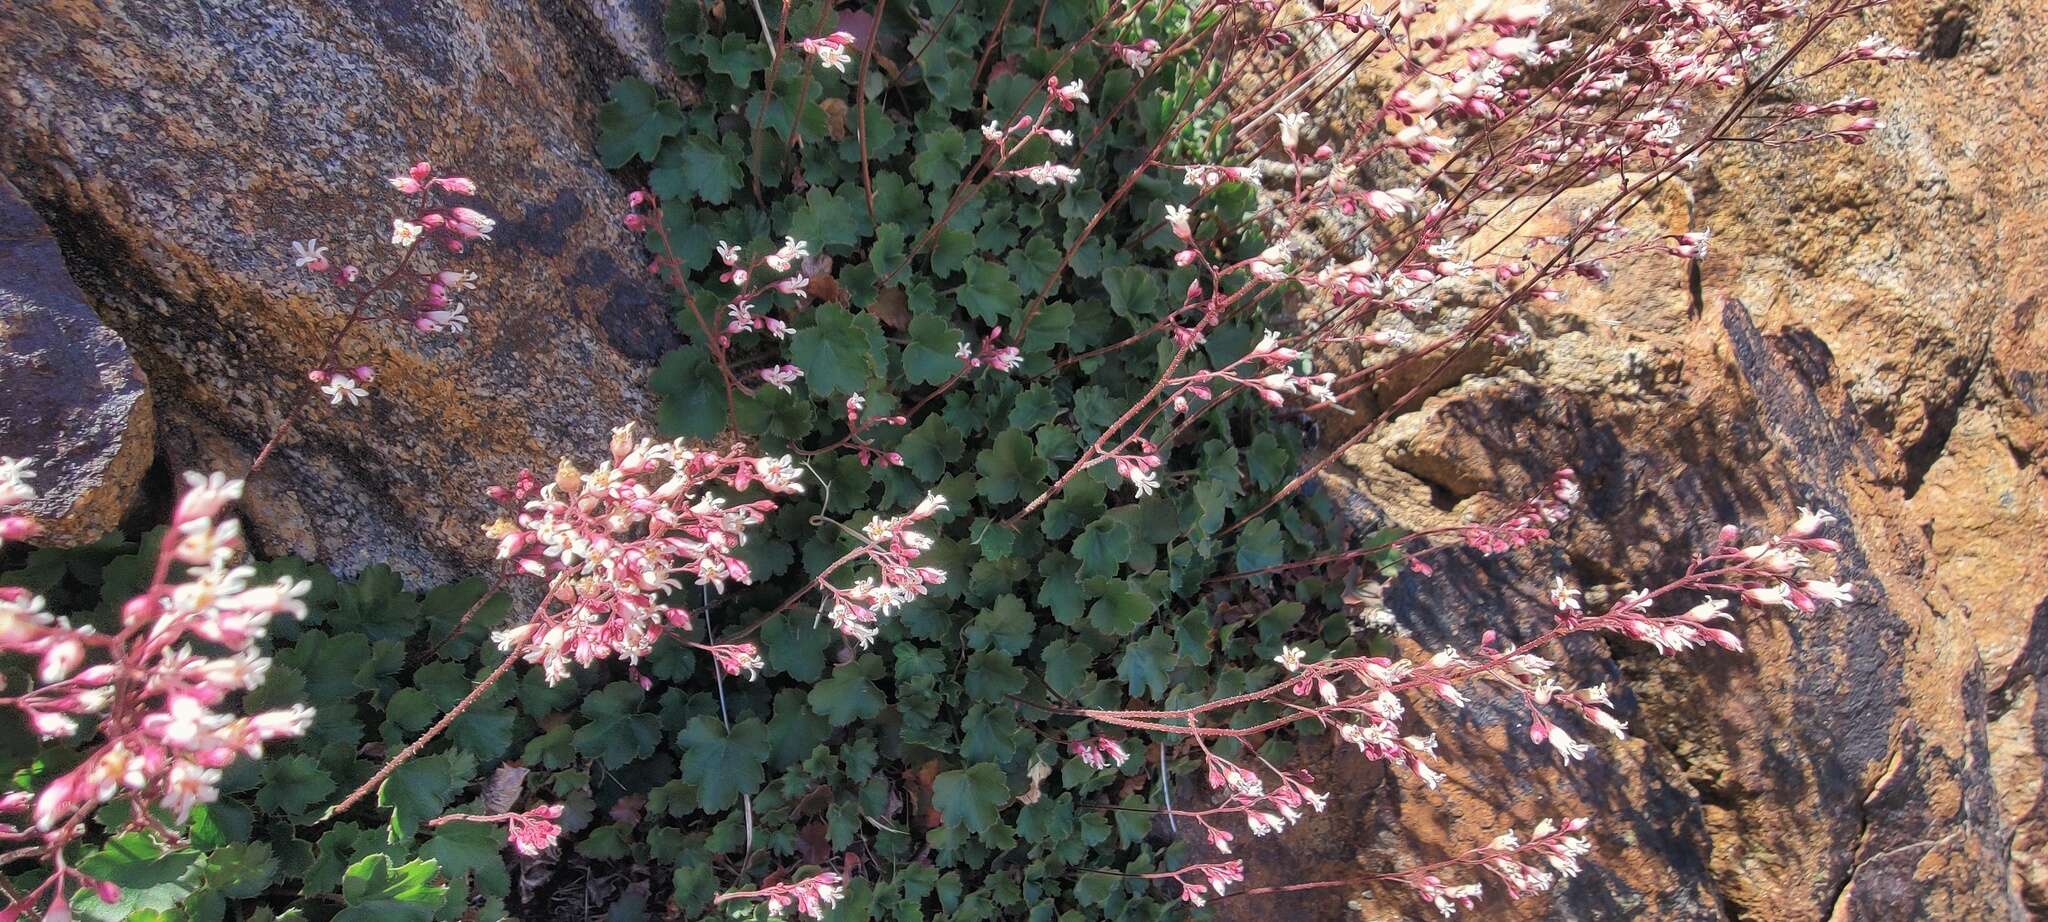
153, 703
155, 698
1364, 699
1385, 250
417, 290
1079, 259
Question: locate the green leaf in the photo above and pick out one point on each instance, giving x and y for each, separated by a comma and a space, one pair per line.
849, 695
292, 784
1032, 264
838, 352
464, 848
930, 447
1035, 407
723, 765
1080, 501
989, 294
692, 394
1103, 547
1134, 292
1010, 467
1067, 662
736, 56
1146, 664
151, 879
971, 798
418, 791
697, 168
950, 250
1006, 626
897, 202
941, 156
1260, 545
933, 353
1121, 608
614, 733
634, 123
375, 891
991, 676
1270, 462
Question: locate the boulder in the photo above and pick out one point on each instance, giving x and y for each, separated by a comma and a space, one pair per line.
76, 402
177, 148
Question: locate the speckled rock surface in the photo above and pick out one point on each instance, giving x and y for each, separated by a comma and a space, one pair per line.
75, 400
176, 147
1867, 335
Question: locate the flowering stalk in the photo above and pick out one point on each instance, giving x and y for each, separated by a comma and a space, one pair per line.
530, 833
612, 543
1360, 697
789, 271
892, 548
810, 897
1509, 859
155, 716
422, 298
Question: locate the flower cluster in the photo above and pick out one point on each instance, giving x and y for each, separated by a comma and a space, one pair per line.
1361, 697
1268, 370
612, 542
830, 50
735, 658
1531, 522
810, 897
893, 548
157, 713
1098, 752
425, 298
1200, 881
530, 833
1508, 858
1009, 140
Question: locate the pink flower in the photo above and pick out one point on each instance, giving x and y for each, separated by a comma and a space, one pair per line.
1066, 95
613, 541
534, 831
830, 50
309, 254
1098, 752
737, 658
811, 897
782, 376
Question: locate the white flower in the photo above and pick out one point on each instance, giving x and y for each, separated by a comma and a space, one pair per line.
1049, 174
1810, 522
453, 318
992, 131
833, 57
782, 376
1291, 125
1830, 592
1145, 481
309, 253
14, 477
1292, 658
405, 233
343, 387
1177, 217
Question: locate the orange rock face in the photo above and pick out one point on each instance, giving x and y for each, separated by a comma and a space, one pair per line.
1867, 335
